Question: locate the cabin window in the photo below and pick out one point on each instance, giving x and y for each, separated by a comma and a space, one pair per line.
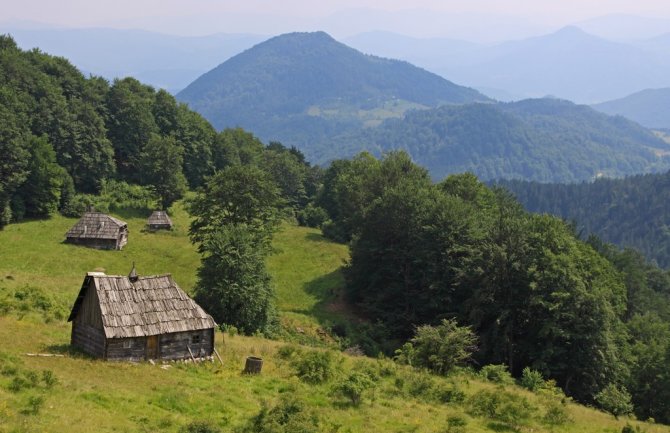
196, 339
127, 344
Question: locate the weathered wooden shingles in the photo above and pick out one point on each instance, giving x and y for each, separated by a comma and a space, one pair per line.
96, 225
159, 217
149, 306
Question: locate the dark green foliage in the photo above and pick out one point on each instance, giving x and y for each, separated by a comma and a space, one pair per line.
233, 283
526, 286
630, 212
440, 348
314, 366
312, 216
615, 400
39, 195
160, 163
236, 195
290, 415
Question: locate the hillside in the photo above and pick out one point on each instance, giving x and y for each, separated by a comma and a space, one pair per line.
544, 140
77, 394
299, 86
650, 107
631, 212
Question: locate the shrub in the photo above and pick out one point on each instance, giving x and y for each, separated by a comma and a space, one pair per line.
200, 427
531, 379
440, 348
615, 400
288, 351
35, 403
556, 414
354, 386
315, 366
449, 393
49, 379
288, 416
496, 373
630, 429
417, 385
501, 406
312, 216
456, 424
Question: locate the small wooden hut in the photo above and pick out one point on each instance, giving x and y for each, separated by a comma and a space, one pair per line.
98, 230
131, 318
159, 220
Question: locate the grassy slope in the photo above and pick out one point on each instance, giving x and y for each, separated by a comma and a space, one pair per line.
93, 395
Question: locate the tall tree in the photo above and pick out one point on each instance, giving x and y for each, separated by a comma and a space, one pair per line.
160, 166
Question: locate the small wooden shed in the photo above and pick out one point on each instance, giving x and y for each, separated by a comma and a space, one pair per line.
132, 318
99, 230
159, 220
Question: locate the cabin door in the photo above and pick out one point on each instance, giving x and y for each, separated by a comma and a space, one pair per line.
152, 347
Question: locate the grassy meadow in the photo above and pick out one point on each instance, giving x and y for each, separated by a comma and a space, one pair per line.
40, 277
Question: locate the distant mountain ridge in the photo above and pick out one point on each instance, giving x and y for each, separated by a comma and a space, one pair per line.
650, 107
309, 78
163, 61
546, 140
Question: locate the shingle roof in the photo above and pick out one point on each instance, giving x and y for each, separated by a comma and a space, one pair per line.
149, 306
159, 217
96, 225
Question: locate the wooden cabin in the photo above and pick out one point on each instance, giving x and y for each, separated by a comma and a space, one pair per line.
133, 318
159, 220
98, 230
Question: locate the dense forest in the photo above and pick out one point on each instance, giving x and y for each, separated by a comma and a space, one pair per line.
631, 212
582, 313
545, 140
519, 290
69, 142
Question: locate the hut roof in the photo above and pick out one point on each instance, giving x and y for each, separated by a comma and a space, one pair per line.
96, 225
159, 217
151, 305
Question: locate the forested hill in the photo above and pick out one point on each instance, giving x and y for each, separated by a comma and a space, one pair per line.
650, 107
304, 78
545, 140
67, 140
631, 212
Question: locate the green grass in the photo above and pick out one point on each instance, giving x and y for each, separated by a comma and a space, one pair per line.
92, 395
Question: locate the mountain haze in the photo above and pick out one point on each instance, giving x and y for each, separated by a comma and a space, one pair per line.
312, 83
161, 60
650, 107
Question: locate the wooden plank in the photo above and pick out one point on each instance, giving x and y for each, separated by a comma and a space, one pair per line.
218, 356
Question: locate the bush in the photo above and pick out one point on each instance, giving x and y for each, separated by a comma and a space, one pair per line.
200, 427
312, 216
315, 367
531, 379
615, 400
35, 403
439, 348
456, 424
496, 373
354, 386
288, 416
556, 415
49, 379
501, 406
449, 393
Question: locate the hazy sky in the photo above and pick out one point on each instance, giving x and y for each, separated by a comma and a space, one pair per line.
254, 16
